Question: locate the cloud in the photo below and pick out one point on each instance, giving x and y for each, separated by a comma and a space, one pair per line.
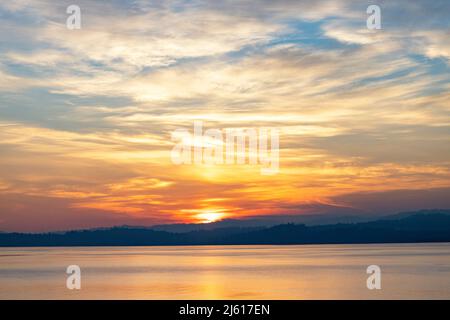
389, 202
435, 44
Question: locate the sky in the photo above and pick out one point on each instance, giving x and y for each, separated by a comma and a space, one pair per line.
87, 115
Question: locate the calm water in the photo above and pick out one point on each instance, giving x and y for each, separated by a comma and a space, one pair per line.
409, 271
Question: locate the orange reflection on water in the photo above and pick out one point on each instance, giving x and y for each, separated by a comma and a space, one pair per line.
228, 272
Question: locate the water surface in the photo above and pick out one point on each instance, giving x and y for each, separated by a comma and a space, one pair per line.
409, 271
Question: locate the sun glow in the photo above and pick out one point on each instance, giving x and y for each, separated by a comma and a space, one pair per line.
209, 217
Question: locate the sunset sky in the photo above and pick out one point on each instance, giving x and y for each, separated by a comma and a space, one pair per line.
86, 116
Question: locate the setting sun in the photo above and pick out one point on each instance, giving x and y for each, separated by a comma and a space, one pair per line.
209, 217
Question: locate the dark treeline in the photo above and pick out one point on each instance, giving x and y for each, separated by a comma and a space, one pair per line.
430, 227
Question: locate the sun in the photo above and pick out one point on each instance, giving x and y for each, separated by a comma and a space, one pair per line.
209, 217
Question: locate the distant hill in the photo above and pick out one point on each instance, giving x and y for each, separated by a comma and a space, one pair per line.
424, 226
260, 222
